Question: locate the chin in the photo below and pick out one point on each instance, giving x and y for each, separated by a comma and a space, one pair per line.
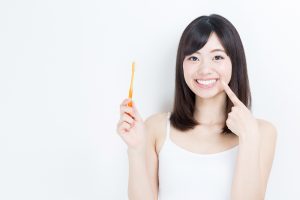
206, 96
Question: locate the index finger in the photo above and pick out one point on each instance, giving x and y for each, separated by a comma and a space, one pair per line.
125, 102
235, 100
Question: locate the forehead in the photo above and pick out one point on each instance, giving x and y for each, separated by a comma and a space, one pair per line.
212, 43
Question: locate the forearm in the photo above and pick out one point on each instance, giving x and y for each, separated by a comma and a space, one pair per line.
139, 186
247, 181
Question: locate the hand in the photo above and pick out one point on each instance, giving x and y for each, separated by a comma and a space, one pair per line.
131, 126
240, 120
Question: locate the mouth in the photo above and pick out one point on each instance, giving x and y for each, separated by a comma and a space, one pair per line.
206, 83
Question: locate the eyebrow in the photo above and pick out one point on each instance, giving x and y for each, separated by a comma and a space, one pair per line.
214, 50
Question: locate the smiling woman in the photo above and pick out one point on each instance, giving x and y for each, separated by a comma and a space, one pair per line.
214, 44
206, 66
210, 146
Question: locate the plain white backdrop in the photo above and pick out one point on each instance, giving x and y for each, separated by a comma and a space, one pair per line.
65, 67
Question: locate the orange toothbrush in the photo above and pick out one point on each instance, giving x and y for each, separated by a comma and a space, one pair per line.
131, 84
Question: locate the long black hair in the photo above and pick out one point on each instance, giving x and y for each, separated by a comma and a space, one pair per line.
194, 37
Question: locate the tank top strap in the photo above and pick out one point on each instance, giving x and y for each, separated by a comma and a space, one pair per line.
168, 126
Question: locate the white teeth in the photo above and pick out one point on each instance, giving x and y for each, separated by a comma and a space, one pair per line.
206, 82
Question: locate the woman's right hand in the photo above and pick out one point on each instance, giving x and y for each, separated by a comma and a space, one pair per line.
131, 126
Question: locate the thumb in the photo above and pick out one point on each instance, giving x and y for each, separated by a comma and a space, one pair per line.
136, 112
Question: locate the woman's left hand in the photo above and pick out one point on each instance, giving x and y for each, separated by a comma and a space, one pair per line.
240, 120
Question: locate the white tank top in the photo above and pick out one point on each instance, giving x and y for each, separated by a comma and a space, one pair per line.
184, 175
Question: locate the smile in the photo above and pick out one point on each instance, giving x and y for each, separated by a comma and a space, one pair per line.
206, 84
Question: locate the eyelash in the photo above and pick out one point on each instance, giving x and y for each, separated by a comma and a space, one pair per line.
192, 57
220, 57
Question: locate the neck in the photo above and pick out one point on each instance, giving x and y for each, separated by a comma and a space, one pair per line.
211, 111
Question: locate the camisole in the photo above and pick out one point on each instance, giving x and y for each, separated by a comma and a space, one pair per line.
185, 175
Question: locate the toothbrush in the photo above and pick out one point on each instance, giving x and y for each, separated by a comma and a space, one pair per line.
131, 84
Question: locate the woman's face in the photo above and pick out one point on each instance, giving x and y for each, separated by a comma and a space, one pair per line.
204, 68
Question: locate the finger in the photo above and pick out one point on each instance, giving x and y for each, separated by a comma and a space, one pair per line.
127, 118
235, 100
126, 109
120, 128
124, 127
129, 102
125, 103
136, 112
229, 123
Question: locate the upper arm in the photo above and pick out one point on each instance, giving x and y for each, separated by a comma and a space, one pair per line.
269, 138
152, 125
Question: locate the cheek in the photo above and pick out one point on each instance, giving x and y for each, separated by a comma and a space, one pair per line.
225, 71
188, 69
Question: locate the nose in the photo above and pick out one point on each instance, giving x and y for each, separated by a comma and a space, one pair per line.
205, 66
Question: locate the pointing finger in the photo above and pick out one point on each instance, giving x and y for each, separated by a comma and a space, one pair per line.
235, 100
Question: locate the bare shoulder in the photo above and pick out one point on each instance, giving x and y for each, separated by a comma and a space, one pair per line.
267, 130
156, 120
155, 125
268, 135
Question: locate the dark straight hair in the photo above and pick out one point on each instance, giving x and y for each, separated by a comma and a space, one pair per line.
194, 37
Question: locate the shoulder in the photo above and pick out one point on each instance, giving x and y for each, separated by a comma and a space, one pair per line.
155, 126
267, 130
155, 121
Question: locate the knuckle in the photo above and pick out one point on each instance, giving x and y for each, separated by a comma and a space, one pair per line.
126, 118
127, 115
125, 125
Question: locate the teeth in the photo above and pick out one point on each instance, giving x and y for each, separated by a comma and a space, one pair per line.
206, 82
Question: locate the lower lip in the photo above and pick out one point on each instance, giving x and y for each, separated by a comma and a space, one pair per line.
206, 86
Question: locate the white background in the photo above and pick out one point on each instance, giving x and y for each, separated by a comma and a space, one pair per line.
65, 67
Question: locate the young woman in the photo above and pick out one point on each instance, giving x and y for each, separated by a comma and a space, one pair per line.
210, 146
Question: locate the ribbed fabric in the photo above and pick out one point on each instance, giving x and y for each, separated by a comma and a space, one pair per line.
184, 175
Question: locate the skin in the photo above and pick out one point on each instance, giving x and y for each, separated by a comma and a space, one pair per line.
210, 62
256, 137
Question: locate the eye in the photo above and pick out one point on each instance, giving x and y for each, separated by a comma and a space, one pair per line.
218, 58
193, 58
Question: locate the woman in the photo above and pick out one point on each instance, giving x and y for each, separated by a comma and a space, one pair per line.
210, 146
